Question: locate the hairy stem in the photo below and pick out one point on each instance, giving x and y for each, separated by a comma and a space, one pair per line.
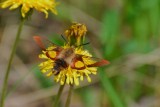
5, 82
58, 95
69, 96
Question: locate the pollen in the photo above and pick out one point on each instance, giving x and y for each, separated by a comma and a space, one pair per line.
26, 5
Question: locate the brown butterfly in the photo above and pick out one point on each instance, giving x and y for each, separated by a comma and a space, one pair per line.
64, 57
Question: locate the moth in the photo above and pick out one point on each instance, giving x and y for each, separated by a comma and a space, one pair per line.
65, 57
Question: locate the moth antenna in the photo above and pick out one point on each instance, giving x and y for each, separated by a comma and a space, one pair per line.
64, 38
52, 43
83, 44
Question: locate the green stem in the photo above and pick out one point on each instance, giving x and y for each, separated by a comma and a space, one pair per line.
69, 96
58, 95
5, 82
110, 91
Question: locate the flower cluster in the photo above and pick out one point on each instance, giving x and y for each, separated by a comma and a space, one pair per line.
76, 31
78, 60
26, 5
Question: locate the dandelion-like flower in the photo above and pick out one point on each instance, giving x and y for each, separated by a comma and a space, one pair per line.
69, 63
26, 5
71, 67
77, 31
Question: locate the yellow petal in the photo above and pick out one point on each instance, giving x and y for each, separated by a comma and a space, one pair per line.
71, 80
49, 74
67, 80
39, 5
14, 6
89, 79
81, 77
43, 56
92, 69
76, 81
6, 4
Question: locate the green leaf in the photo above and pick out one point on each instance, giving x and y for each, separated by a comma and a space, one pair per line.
110, 30
110, 91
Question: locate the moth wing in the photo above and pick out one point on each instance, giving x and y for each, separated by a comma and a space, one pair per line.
51, 50
77, 63
43, 42
39, 41
81, 62
98, 62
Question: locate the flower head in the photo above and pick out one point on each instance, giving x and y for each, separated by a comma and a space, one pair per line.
26, 5
69, 63
71, 74
76, 31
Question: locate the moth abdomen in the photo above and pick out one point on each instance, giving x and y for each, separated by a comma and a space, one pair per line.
60, 64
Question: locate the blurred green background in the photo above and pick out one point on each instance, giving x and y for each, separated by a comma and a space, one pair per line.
126, 32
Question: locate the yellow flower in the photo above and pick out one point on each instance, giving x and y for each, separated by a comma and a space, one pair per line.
76, 31
26, 5
67, 73
69, 63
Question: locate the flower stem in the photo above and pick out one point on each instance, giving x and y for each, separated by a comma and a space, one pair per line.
58, 95
5, 82
69, 96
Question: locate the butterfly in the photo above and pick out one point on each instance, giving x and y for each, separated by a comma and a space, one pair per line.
65, 56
